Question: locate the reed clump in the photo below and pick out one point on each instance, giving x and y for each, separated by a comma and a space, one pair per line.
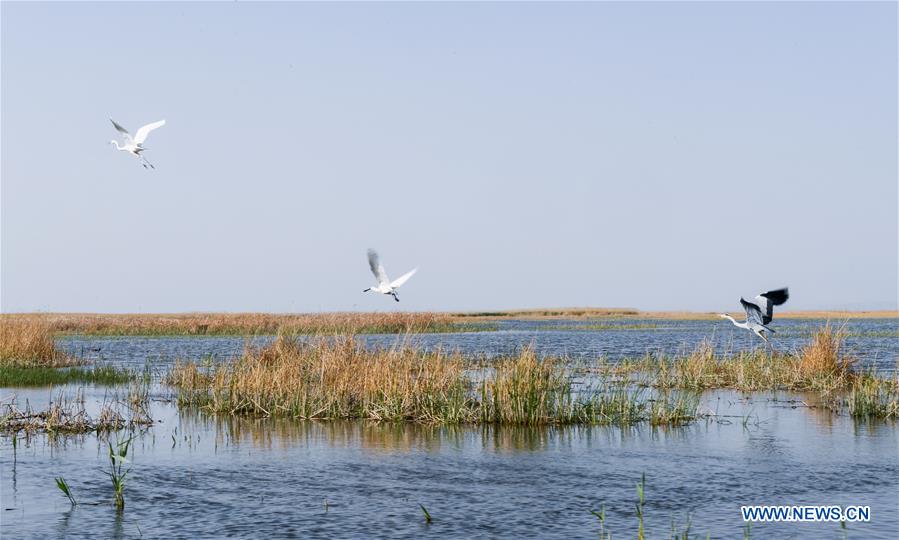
826, 354
338, 379
241, 323
871, 397
329, 379
28, 342
823, 366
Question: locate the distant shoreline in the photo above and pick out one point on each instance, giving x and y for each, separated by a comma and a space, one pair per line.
530, 313
625, 313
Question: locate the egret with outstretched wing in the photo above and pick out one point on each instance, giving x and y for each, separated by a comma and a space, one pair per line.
385, 286
760, 312
135, 145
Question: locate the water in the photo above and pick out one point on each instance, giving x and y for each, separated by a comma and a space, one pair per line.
874, 341
197, 476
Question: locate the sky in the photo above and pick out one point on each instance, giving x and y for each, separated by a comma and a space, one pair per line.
659, 156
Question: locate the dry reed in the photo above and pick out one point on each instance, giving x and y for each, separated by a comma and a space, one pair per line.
27, 342
240, 323
823, 366
69, 418
338, 379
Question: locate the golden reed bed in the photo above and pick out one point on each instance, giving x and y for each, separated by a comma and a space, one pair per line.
232, 323
347, 322
28, 342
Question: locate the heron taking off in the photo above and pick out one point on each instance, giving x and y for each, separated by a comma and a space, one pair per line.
385, 286
135, 145
760, 312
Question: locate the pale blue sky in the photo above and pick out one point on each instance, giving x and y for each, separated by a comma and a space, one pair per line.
657, 156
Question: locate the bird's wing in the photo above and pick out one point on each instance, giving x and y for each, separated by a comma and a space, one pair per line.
753, 312
142, 133
376, 268
121, 130
403, 278
770, 299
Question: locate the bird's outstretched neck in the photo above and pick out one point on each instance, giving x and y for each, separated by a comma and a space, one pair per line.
731, 319
116, 144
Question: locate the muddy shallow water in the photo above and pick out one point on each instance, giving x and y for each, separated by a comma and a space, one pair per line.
198, 476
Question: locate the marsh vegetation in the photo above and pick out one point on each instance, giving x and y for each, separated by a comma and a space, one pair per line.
339, 379
40, 375
223, 324
27, 341
822, 366
416, 399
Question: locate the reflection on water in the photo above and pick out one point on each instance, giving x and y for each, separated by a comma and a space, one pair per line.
199, 475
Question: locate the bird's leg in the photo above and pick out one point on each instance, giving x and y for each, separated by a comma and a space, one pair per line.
145, 162
768, 345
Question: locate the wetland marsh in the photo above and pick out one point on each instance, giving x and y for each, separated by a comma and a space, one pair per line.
199, 470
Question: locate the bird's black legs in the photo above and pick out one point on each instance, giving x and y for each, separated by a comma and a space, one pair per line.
395, 297
768, 343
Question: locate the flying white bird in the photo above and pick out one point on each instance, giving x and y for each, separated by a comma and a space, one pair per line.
135, 145
385, 286
760, 311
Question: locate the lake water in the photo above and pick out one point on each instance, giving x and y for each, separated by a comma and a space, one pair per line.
197, 476
874, 341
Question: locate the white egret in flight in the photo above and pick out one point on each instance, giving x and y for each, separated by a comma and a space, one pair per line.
135, 145
385, 286
760, 311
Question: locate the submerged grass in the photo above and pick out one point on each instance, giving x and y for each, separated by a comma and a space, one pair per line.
676, 533
242, 323
43, 376
339, 379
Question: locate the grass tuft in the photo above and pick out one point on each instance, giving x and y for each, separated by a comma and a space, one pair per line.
117, 472
64, 487
44, 376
